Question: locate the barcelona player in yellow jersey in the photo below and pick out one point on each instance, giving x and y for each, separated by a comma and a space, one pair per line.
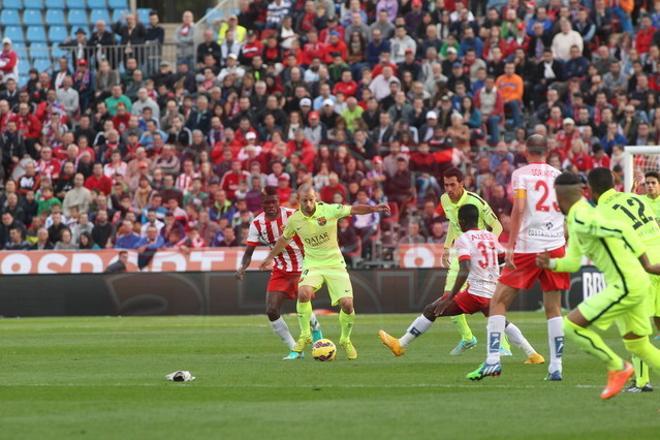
316, 225
652, 196
636, 212
618, 252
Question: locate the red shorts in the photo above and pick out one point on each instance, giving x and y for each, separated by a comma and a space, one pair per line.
526, 272
470, 304
286, 282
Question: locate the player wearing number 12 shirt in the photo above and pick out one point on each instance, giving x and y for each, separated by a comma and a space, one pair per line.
537, 226
478, 252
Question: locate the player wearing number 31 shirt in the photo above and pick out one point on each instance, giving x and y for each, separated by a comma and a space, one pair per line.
537, 226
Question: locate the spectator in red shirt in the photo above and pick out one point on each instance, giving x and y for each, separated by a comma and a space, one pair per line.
232, 178
644, 38
48, 165
346, 86
8, 62
29, 127
313, 48
98, 181
333, 187
284, 188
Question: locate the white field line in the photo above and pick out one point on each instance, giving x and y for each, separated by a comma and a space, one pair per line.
300, 386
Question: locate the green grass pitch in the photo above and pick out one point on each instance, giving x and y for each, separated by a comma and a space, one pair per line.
102, 378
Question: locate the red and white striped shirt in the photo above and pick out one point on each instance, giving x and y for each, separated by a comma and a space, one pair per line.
267, 232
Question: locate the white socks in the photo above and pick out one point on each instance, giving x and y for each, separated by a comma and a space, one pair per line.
516, 338
313, 322
420, 325
494, 335
555, 343
282, 330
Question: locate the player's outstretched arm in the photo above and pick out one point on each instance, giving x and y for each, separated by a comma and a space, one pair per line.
461, 278
383, 208
245, 262
280, 245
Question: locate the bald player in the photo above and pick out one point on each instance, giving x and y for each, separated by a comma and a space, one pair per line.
316, 225
537, 225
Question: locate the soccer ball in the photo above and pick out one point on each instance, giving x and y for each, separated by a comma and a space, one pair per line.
324, 350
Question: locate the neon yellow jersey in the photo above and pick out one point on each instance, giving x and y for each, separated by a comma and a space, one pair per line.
637, 213
613, 246
486, 215
318, 233
654, 204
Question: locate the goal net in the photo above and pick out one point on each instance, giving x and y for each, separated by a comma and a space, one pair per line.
636, 162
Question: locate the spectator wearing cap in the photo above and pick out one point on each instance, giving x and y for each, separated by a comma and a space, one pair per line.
232, 68
400, 43
79, 46
8, 62
231, 25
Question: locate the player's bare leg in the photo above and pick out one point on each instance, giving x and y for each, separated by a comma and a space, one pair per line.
304, 311
552, 307
417, 328
346, 321
499, 304
656, 319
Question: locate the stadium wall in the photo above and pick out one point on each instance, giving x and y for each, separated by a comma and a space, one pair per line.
219, 293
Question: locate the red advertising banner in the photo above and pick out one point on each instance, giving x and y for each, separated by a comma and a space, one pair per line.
204, 260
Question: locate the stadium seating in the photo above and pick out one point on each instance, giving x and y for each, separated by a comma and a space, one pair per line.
55, 17
10, 17
118, 4
32, 17
42, 65
39, 51
57, 34
99, 14
36, 34
76, 4
55, 4
96, 4
143, 15
15, 33
12, 4
77, 17
117, 15
34, 4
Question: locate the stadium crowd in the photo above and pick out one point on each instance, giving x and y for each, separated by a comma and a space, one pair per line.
367, 100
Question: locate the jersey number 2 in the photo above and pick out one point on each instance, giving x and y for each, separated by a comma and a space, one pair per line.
641, 218
541, 205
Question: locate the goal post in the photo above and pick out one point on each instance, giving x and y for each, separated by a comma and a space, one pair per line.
637, 160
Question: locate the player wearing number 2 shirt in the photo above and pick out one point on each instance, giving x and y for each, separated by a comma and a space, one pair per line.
537, 226
477, 251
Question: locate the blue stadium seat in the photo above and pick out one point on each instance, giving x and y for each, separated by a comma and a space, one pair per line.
36, 34
55, 4
55, 17
57, 34
78, 17
21, 51
34, 4
58, 52
117, 15
10, 17
143, 15
42, 64
76, 4
118, 4
99, 14
14, 33
12, 4
96, 4
39, 50
32, 17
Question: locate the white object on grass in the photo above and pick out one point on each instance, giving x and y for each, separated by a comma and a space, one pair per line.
180, 376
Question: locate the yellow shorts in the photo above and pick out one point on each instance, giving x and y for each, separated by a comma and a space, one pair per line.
337, 279
628, 310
